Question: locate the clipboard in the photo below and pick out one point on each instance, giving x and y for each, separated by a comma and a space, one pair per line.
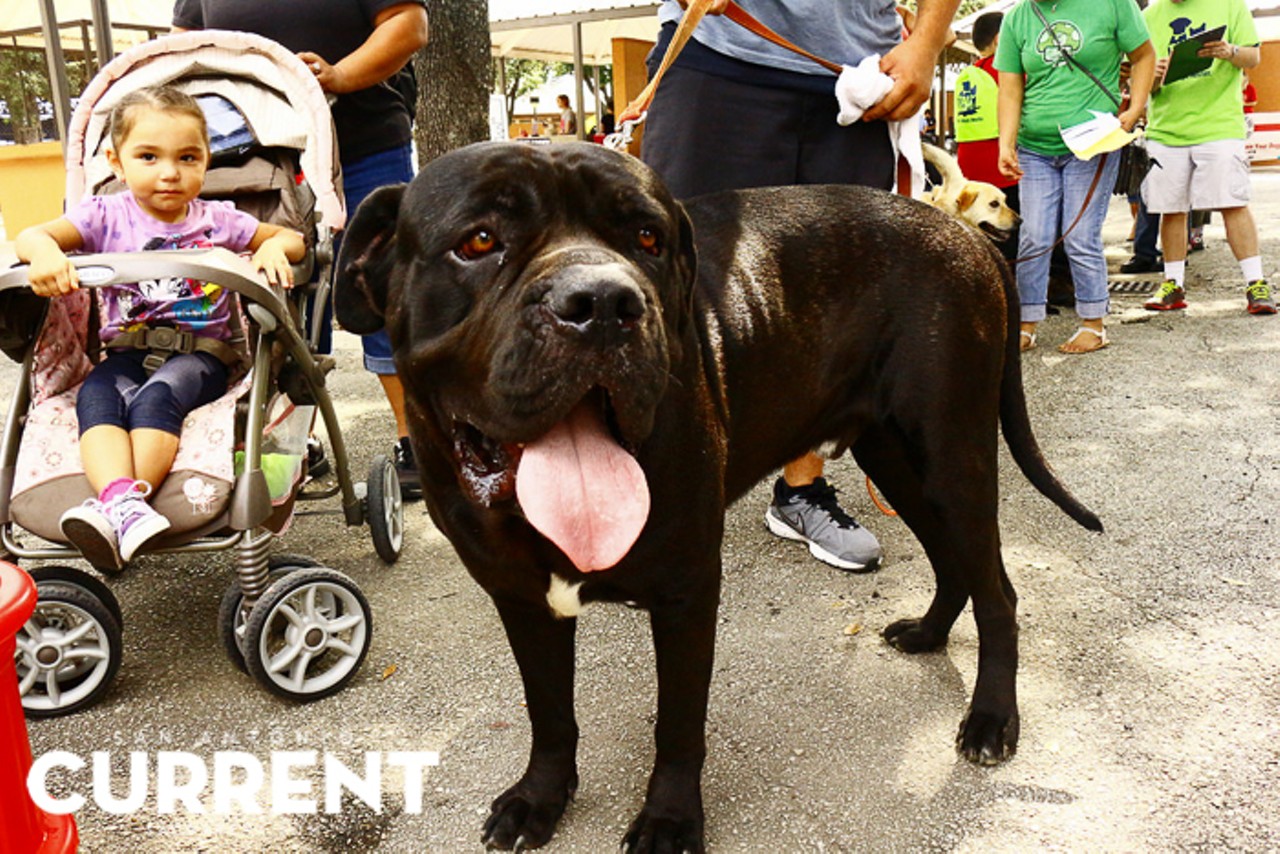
1183, 61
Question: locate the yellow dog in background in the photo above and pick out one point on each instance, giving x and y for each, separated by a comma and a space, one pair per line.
977, 203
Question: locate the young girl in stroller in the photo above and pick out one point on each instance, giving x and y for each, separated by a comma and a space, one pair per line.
132, 405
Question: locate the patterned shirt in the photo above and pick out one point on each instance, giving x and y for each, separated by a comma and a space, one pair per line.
116, 223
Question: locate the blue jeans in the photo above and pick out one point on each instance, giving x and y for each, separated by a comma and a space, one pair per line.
359, 179
1146, 234
1053, 190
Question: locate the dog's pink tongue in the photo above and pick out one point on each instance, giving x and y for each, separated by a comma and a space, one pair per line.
582, 491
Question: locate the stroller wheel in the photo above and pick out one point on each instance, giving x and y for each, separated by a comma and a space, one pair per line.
385, 509
69, 650
308, 634
231, 613
81, 579
285, 560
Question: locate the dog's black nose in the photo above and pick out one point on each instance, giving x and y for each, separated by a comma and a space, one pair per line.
596, 304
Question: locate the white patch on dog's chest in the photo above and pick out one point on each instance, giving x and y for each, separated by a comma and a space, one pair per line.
563, 597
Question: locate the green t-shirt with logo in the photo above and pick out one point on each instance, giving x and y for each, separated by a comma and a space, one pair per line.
1097, 33
1207, 106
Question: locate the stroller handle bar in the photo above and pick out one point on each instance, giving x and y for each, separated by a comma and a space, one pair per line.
213, 265
268, 306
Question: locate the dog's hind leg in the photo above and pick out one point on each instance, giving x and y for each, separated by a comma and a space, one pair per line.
525, 815
882, 456
952, 510
684, 642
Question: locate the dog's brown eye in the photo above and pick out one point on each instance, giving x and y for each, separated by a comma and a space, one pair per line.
648, 240
478, 245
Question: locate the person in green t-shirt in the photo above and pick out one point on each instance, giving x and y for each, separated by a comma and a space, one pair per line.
1043, 46
1197, 132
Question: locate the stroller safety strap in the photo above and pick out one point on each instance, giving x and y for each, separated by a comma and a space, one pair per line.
164, 342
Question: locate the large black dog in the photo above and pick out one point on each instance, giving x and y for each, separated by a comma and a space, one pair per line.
593, 373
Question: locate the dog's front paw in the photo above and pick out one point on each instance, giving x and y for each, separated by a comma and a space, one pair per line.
650, 833
914, 636
525, 815
987, 739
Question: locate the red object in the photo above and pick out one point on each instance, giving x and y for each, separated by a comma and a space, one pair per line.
980, 160
24, 827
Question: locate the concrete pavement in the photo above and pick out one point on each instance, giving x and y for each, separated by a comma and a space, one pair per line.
1149, 683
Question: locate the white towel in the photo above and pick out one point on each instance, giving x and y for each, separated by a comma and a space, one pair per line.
859, 89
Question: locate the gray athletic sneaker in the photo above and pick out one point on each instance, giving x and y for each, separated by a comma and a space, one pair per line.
812, 515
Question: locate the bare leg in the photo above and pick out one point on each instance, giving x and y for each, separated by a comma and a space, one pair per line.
107, 454
394, 390
1242, 232
153, 453
803, 471
1173, 236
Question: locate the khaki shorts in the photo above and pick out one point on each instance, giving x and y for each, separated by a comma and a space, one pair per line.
1205, 177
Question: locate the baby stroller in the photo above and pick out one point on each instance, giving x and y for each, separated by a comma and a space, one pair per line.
299, 628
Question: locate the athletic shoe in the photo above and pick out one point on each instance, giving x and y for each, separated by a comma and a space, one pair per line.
1168, 297
317, 462
1142, 264
1260, 299
88, 527
812, 515
1195, 240
407, 470
136, 522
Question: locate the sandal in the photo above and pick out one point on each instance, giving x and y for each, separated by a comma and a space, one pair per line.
1026, 340
1100, 334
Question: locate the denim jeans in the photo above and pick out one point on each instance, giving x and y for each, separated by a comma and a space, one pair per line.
1053, 191
359, 179
1146, 234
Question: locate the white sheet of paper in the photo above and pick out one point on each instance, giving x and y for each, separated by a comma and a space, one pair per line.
1100, 134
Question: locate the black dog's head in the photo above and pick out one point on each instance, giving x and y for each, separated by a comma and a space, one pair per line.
521, 284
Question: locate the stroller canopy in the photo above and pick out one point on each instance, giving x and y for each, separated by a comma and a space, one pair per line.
273, 89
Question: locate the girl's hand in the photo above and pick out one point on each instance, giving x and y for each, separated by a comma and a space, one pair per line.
1009, 162
273, 248
274, 264
52, 274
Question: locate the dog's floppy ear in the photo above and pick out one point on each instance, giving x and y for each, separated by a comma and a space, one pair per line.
686, 259
686, 252
966, 198
365, 262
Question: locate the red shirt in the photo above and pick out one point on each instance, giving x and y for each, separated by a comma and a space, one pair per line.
979, 161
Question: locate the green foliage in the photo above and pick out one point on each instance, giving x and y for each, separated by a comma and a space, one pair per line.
522, 75
525, 75
23, 79
589, 77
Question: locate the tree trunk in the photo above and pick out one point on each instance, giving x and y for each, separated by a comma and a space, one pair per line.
455, 75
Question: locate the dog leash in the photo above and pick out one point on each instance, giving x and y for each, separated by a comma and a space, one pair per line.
1088, 197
